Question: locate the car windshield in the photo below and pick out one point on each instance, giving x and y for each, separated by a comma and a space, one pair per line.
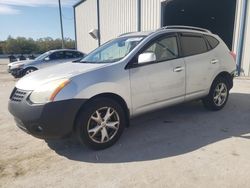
42, 56
113, 51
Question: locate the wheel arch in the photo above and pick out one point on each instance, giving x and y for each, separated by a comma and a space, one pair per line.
227, 76
112, 96
29, 67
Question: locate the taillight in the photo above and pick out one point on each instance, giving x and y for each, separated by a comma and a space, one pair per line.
233, 54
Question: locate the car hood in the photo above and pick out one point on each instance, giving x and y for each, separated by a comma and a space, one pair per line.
61, 71
24, 62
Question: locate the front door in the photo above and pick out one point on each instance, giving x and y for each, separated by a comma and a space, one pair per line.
160, 83
54, 59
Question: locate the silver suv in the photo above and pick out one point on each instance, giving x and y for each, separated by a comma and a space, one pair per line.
132, 74
52, 57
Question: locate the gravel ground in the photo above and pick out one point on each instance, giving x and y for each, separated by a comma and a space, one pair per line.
182, 146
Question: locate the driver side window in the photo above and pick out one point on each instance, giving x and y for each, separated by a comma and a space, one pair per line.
57, 55
164, 48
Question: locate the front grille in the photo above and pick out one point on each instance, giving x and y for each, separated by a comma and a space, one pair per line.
17, 95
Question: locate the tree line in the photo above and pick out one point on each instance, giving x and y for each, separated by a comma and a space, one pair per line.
22, 45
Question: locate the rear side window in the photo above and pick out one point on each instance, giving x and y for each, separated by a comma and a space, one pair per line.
77, 54
193, 44
213, 42
69, 54
72, 54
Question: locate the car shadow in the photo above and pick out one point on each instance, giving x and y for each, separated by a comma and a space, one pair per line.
168, 132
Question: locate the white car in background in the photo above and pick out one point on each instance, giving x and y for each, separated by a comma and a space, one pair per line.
52, 57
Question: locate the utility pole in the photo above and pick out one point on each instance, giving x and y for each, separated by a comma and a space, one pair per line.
60, 12
98, 22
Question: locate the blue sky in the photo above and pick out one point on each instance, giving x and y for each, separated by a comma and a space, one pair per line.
35, 18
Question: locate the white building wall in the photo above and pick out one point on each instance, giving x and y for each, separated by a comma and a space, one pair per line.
246, 47
150, 14
120, 16
117, 17
237, 25
86, 19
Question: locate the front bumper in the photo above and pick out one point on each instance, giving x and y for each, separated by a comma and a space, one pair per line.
16, 72
51, 120
8, 70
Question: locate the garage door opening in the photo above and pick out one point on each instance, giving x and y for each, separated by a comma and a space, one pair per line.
217, 16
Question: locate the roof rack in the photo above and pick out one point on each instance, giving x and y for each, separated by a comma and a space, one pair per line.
185, 27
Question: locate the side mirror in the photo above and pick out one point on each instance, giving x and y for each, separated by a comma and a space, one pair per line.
146, 57
46, 59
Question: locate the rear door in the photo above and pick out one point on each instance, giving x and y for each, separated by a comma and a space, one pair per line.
157, 84
201, 64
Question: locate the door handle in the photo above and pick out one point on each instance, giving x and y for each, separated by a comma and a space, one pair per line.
214, 61
178, 69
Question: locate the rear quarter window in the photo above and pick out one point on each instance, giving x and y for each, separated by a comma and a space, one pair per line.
77, 54
193, 44
213, 42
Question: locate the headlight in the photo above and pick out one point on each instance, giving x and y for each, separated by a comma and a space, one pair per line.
47, 92
20, 66
17, 66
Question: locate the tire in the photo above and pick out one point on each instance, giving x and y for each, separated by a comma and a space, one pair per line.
28, 71
218, 95
15, 76
97, 131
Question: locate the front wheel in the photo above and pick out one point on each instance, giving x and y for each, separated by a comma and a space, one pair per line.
28, 71
100, 123
218, 95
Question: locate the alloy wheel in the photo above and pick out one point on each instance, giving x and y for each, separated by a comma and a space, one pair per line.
103, 125
220, 94
29, 71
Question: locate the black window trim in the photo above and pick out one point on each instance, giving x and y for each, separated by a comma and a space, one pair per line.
211, 48
191, 34
133, 63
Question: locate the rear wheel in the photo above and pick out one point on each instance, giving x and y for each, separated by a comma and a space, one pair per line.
100, 123
218, 95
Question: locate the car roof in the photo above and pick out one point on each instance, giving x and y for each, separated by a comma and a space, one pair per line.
59, 50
